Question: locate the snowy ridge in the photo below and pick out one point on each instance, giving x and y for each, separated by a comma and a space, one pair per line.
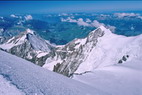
29, 35
100, 48
110, 49
28, 46
68, 58
34, 80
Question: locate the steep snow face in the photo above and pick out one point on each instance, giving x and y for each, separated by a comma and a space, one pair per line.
29, 46
31, 79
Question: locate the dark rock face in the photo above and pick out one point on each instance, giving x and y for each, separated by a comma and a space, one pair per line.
74, 53
120, 61
124, 58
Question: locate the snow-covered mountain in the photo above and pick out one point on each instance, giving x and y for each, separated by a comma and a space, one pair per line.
105, 61
28, 46
20, 77
99, 49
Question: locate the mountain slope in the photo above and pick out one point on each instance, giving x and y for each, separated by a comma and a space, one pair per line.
112, 49
34, 80
8, 89
28, 46
67, 58
99, 49
124, 79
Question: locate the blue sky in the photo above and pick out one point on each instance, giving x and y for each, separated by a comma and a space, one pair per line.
19, 7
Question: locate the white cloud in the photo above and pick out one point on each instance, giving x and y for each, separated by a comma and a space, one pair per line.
69, 19
96, 24
63, 14
112, 28
28, 17
121, 15
81, 22
14, 16
88, 20
88, 23
1, 17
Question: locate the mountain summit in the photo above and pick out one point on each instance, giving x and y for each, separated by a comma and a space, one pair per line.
28, 46
99, 49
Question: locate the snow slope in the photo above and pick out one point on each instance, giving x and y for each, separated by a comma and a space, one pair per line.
124, 79
110, 49
8, 89
34, 80
100, 48
105, 73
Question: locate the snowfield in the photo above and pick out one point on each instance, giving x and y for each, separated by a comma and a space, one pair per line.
18, 77
114, 65
8, 89
124, 79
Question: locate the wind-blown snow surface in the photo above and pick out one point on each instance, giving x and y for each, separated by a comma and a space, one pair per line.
123, 79
25, 77
8, 89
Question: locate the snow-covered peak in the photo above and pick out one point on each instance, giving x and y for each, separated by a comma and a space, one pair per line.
29, 36
14, 41
112, 49
106, 31
70, 56
99, 49
29, 31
